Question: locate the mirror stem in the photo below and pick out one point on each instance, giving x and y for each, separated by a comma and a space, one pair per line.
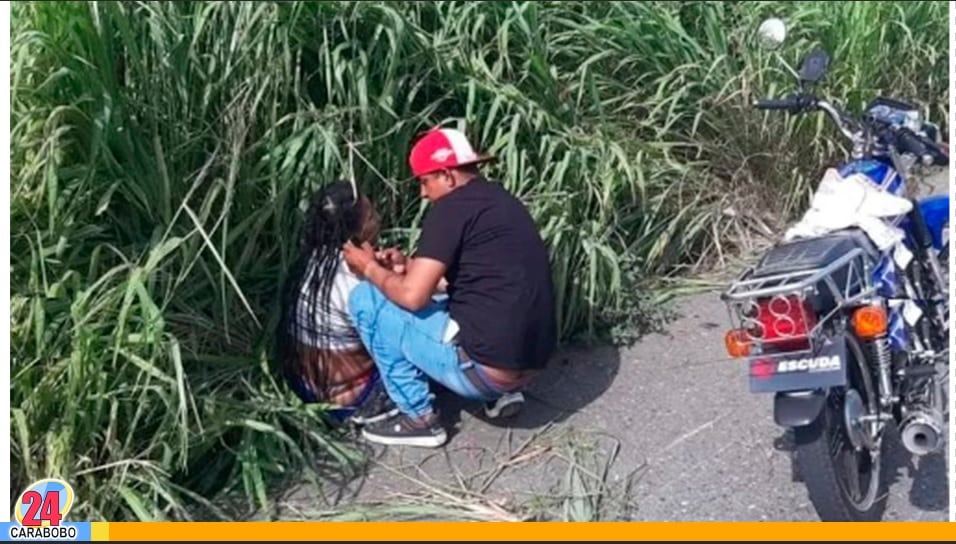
794, 73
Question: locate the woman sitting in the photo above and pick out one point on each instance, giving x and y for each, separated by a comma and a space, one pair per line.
319, 350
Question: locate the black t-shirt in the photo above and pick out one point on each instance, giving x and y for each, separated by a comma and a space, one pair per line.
499, 274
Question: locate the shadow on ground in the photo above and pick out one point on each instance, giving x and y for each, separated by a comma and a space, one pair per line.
925, 476
561, 390
929, 491
537, 462
573, 380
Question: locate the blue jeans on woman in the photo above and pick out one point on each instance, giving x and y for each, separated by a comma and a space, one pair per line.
409, 348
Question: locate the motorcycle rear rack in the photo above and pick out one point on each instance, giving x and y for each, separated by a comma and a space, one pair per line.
846, 281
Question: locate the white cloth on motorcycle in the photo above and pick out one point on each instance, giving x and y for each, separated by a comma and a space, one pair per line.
840, 203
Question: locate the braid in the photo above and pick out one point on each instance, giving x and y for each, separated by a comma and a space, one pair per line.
332, 218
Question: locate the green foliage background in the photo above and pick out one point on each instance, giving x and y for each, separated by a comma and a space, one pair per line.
162, 152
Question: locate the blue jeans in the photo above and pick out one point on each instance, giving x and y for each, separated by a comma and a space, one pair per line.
408, 348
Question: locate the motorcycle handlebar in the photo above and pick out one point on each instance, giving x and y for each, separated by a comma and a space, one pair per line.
907, 142
934, 151
800, 103
842, 121
923, 148
776, 104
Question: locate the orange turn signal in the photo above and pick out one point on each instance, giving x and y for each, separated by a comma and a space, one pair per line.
737, 343
870, 322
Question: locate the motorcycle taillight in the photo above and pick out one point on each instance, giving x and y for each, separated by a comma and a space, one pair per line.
783, 322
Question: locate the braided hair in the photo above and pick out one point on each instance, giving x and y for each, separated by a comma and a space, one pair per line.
334, 216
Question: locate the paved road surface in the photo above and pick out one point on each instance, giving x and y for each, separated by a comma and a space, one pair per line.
703, 447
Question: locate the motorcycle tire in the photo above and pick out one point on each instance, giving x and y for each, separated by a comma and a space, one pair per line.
822, 448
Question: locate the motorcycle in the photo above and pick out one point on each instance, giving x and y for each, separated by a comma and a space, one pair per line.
845, 321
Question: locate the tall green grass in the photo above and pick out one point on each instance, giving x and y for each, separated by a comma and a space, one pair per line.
162, 152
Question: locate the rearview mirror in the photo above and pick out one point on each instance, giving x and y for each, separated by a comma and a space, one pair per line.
772, 32
814, 67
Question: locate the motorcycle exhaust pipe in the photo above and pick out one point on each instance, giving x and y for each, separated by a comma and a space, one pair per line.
921, 431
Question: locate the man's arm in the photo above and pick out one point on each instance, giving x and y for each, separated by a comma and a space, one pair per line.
411, 290
396, 261
442, 286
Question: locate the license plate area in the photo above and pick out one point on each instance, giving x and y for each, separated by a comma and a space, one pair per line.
822, 367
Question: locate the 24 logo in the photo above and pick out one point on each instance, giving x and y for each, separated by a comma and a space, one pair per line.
44, 504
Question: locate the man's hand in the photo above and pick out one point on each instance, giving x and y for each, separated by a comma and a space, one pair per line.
412, 290
393, 259
358, 258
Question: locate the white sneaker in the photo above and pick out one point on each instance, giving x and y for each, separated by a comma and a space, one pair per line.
508, 405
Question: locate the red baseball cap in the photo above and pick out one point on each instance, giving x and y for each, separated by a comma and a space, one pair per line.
442, 148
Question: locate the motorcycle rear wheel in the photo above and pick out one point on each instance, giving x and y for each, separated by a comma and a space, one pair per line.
843, 484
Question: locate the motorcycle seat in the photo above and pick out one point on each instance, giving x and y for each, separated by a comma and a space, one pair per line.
813, 253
